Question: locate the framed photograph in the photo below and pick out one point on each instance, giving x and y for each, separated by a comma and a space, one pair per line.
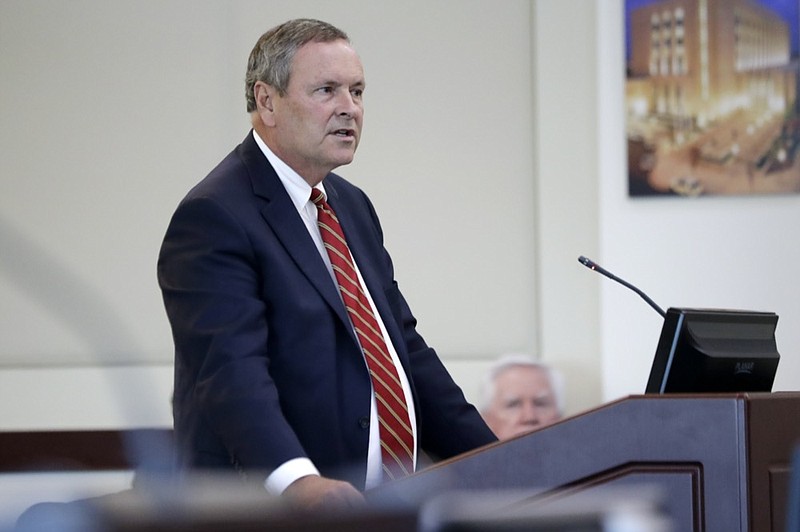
711, 97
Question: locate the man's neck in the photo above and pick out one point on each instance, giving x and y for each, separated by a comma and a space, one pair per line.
312, 178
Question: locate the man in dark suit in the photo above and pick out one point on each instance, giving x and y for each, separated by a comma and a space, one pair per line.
270, 376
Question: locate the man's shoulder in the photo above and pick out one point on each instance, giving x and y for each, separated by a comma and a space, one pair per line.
229, 172
233, 174
343, 189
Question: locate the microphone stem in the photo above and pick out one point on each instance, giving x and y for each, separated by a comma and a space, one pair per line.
642, 294
599, 269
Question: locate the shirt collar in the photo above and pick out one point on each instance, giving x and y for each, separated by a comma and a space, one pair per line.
299, 191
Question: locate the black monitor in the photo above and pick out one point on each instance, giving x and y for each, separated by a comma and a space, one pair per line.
709, 350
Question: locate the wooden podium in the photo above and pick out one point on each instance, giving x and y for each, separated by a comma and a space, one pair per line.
721, 462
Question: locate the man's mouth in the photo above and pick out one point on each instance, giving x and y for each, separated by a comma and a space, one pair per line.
344, 133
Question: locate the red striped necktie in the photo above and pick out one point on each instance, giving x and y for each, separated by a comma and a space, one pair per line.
397, 440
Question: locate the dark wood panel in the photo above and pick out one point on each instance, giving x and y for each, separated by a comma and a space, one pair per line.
74, 450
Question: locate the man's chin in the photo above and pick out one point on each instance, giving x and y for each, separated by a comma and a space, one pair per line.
524, 430
344, 160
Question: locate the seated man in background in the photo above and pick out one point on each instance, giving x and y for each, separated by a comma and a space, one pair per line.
519, 395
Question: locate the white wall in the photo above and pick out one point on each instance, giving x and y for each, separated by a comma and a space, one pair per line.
723, 252
501, 118
112, 110
731, 252
565, 121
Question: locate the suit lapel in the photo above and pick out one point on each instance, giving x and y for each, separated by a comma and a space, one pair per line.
280, 214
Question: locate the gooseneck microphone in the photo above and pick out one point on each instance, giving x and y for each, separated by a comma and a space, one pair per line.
596, 267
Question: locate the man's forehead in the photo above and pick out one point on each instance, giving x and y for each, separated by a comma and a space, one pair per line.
328, 58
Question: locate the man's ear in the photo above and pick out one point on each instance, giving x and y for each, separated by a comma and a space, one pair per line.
265, 99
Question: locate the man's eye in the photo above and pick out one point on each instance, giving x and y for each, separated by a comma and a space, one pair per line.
544, 402
357, 93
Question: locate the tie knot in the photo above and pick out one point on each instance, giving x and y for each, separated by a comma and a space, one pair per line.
317, 197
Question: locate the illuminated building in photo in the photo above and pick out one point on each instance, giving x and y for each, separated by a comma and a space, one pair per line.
698, 65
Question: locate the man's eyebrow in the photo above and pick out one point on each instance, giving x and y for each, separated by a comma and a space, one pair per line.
339, 83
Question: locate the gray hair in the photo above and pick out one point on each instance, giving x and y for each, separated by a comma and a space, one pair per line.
270, 60
511, 360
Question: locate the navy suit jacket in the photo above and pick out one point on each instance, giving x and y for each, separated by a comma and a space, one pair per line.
267, 366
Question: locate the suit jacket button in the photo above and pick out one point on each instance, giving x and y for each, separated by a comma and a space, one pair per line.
363, 422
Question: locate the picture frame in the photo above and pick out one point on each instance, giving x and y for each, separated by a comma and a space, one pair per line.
711, 97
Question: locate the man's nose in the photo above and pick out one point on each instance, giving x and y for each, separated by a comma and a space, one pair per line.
530, 413
347, 105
